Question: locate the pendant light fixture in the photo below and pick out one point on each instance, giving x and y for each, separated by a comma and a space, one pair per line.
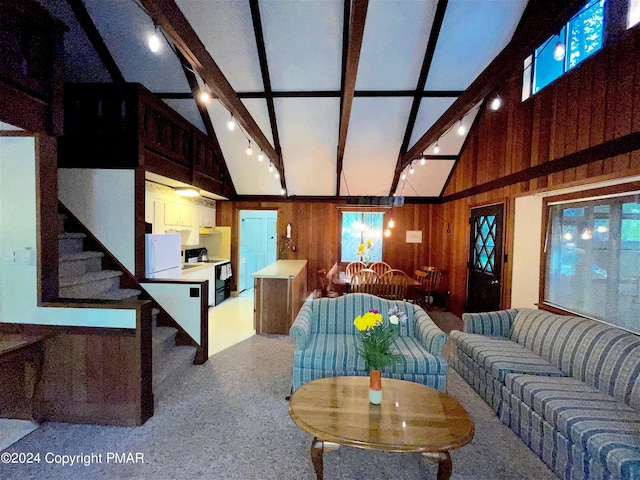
249, 150
423, 161
283, 191
404, 176
411, 171
260, 156
461, 128
271, 167
277, 174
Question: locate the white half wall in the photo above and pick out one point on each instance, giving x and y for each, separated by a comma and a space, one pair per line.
175, 298
525, 285
18, 255
104, 201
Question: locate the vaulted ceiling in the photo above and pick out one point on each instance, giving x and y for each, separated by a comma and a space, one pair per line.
340, 96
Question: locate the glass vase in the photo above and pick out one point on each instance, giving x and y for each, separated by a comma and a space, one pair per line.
375, 387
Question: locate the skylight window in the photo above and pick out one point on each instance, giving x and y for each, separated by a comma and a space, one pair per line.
578, 39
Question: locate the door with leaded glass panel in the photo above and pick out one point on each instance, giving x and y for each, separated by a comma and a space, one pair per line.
485, 258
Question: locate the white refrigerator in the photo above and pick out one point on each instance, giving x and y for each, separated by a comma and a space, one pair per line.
162, 256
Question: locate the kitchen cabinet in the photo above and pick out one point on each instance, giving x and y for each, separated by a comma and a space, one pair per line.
207, 217
178, 215
148, 210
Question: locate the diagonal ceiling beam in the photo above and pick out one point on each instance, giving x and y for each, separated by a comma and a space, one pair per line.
266, 80
204, 115
422, 81
540, 20
356, 33
167, 15
81, 13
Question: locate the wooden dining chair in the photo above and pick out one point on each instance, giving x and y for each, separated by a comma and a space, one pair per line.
416, 294
364, 281
393, 285
324, 283
380, 268
353, 267
431, 285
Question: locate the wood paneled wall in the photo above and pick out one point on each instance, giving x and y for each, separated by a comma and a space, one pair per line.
316, 228
591, 107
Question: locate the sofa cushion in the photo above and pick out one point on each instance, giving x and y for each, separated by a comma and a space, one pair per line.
500, 356
336, 315
337, 352
605, 357
607, 429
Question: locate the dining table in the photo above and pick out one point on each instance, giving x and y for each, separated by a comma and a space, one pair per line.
341, 283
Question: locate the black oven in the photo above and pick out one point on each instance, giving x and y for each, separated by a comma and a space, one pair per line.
223, 282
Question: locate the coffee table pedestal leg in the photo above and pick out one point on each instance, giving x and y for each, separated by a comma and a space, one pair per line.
318, 447
443, 459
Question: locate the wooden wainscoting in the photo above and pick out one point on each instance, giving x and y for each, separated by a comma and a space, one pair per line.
95, 375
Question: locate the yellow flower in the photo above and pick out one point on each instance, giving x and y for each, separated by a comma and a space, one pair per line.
367, 321
369, 242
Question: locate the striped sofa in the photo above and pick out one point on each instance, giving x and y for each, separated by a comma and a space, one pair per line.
569, 387
326, 340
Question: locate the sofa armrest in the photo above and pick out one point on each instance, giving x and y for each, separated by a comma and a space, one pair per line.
301, 328
493, 324
429, 334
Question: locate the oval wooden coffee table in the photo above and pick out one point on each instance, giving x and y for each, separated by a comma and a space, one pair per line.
411, 418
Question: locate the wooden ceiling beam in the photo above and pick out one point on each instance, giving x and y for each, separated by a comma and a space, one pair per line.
206, 118
438, 18
540, 20
167, 15
90, 29
266, 80
356, 33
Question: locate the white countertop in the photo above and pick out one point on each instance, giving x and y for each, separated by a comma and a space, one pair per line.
281, 269
196, 266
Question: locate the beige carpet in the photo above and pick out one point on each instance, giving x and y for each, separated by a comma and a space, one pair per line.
228, 419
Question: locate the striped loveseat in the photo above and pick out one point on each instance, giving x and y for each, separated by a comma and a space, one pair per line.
326, 340
568, 386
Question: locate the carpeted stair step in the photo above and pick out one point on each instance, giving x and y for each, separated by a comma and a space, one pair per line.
90, 285
70, 242
170, 362
77, 264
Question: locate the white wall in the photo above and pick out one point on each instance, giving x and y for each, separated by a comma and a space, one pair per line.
525, 285
18, 281
104, 201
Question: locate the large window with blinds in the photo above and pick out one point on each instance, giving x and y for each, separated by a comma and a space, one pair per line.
592, 259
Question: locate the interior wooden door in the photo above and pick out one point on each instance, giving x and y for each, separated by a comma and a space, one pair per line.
485, 258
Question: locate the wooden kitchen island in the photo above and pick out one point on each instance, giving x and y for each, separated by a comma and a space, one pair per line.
279, 291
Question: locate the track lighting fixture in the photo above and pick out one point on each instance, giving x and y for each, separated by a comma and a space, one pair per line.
423, 161
249, 150
559, 51
461, 128
204, 96
496, 103
277, 175
436, 149
411, 170
231, 124
271, 167
260, 156
153, 41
